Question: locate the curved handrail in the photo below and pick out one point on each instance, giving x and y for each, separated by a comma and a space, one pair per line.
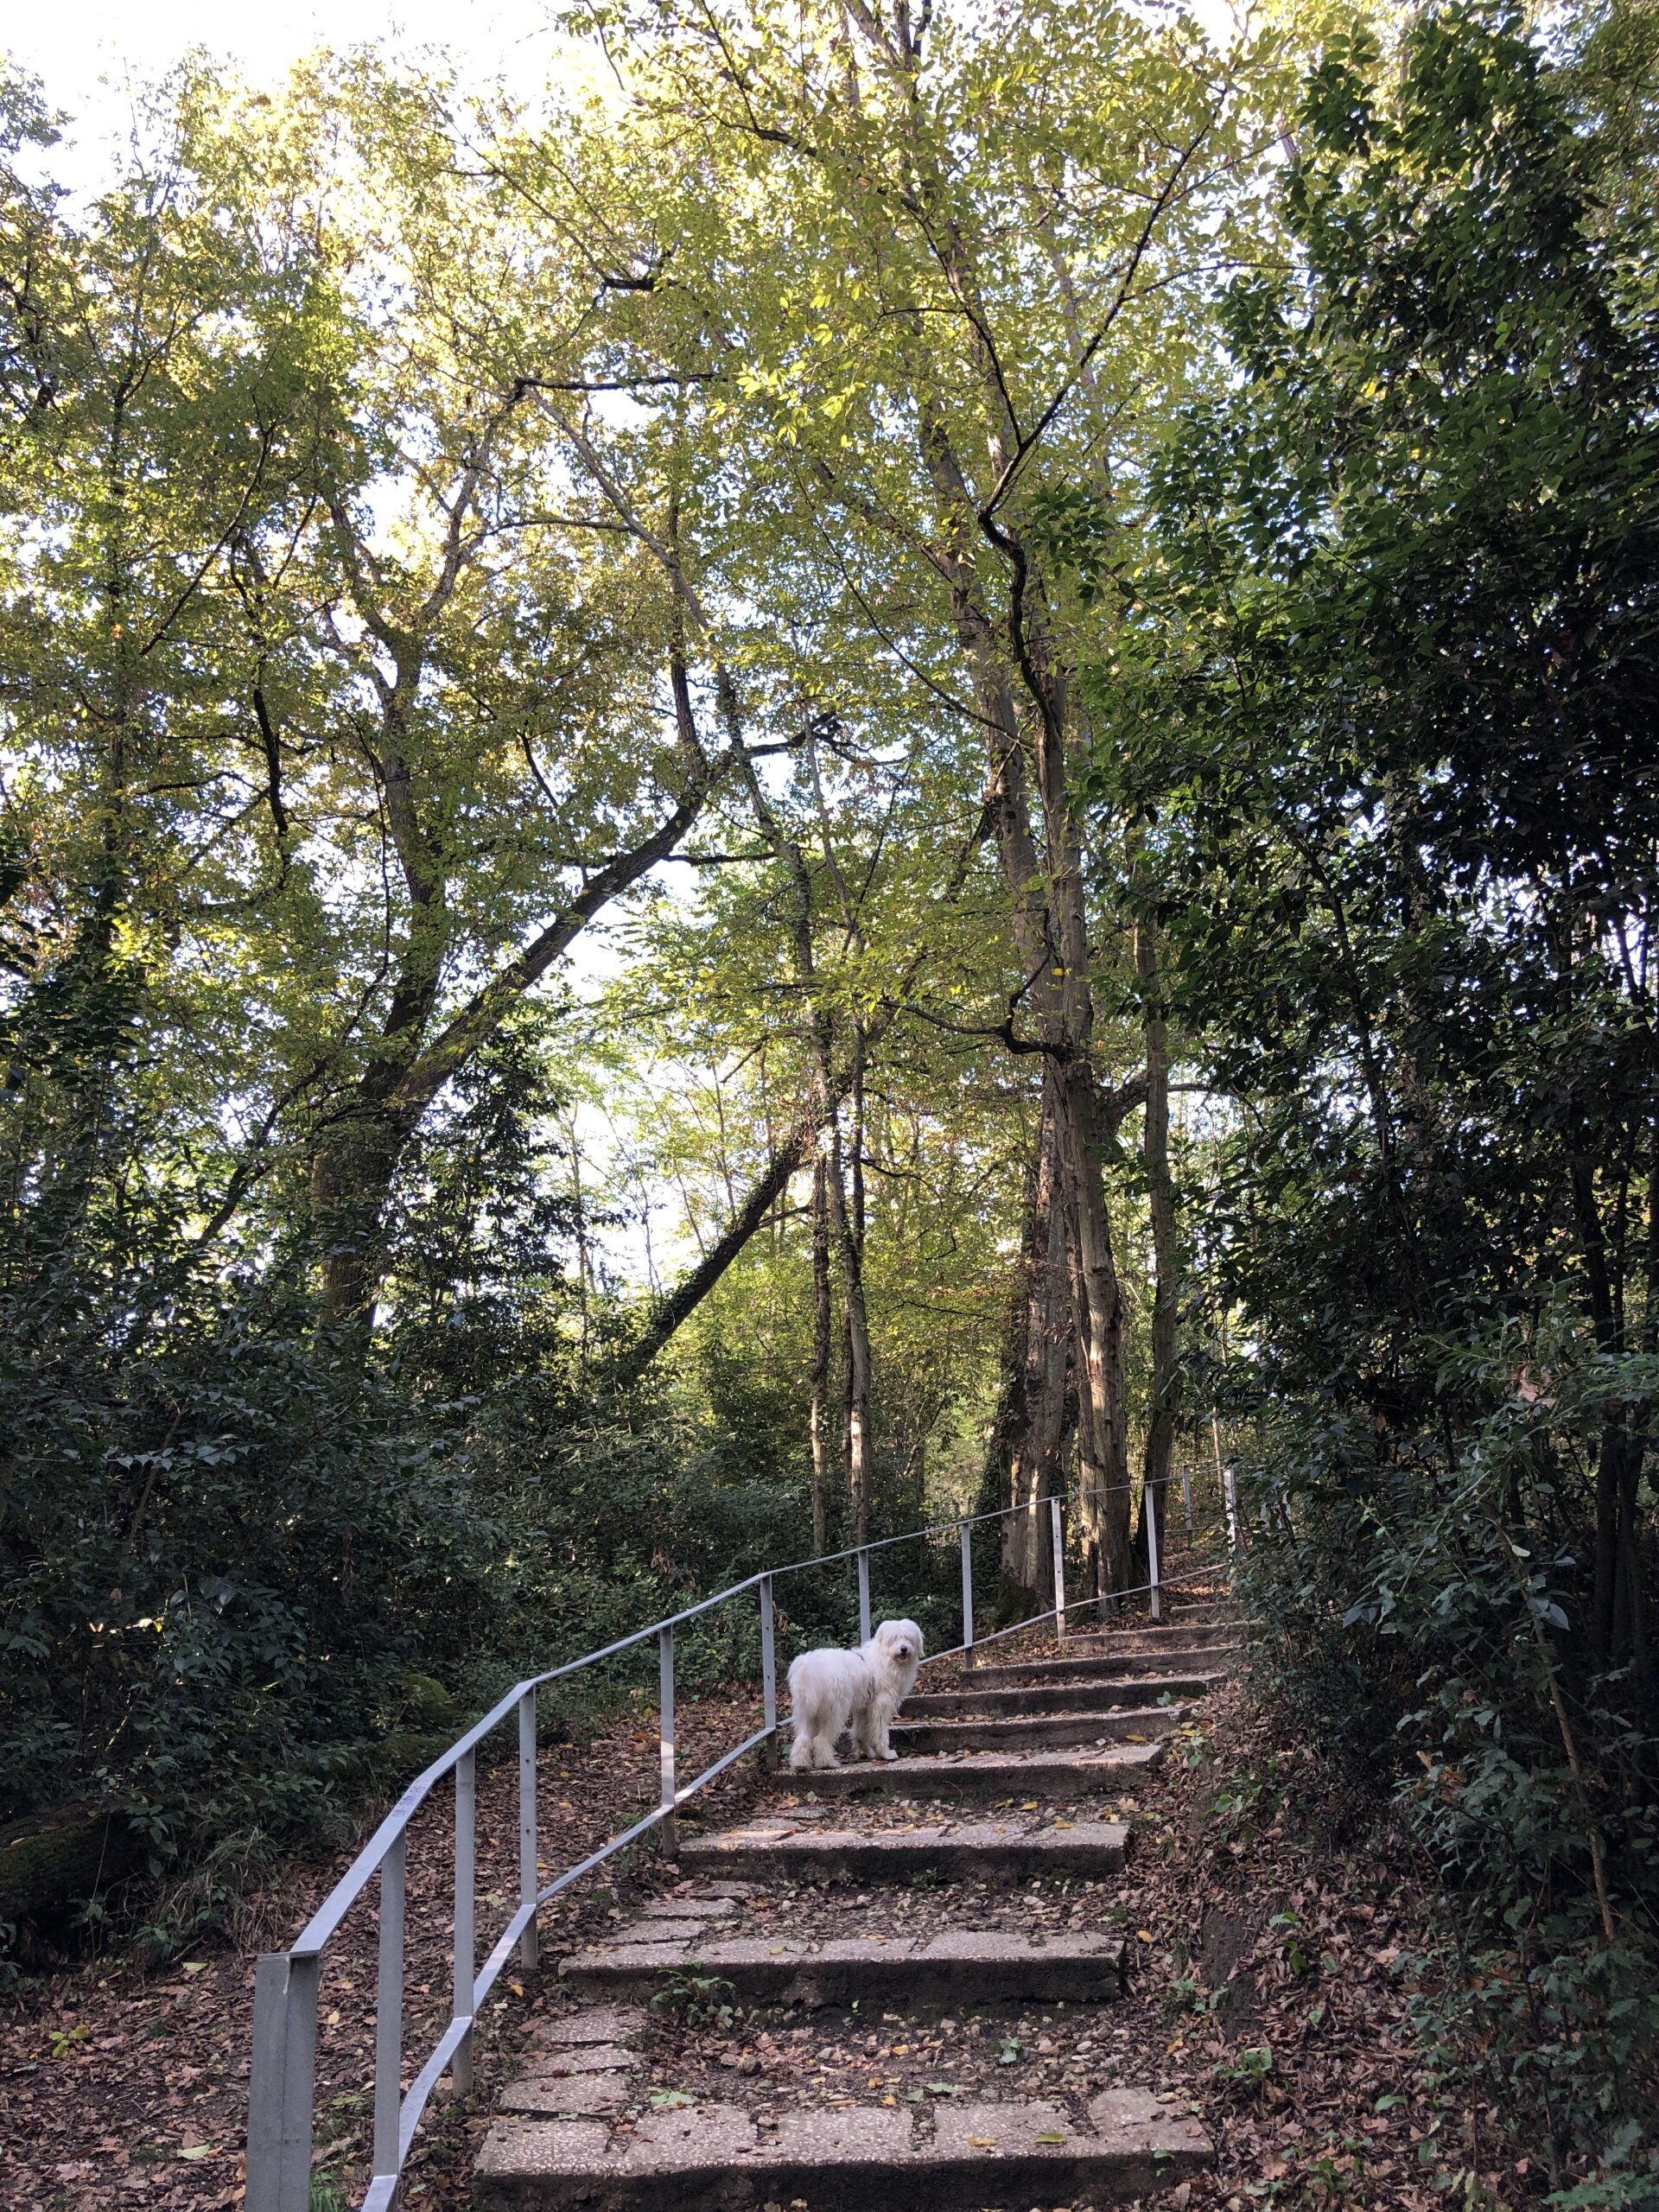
282, 2084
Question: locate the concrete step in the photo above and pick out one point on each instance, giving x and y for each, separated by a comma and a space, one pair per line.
714, 2157
801, 1846
1159, 1657
959, 1967
1092, 1666
1017, 1731
1058, 1697
1013, 1774
1176, 1641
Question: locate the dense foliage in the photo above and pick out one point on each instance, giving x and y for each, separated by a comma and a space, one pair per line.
1402, 765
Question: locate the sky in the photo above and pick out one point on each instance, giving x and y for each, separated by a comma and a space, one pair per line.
89, 53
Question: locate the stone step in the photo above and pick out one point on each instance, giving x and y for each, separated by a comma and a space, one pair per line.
979, 1774
1091, 1665
1127, 1660
1017, 1731
960, 1966
1174, 1616
1177, 1641
1135, 1695
713, 2158
797, 1848
1058, 1697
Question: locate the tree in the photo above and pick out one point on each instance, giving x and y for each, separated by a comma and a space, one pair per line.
1382, 706
931, 393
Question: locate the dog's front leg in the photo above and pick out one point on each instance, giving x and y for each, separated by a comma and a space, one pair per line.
881, 1748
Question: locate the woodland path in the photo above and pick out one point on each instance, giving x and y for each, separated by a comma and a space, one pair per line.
909, 1935
1266, 1982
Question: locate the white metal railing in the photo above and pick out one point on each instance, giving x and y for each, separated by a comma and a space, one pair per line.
282, 2079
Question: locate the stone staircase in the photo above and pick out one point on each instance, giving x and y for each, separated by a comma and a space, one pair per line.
814, 2015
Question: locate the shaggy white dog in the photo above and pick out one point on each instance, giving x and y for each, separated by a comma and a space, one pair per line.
857, 1693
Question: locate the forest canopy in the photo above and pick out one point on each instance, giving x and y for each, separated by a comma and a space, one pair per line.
887, 762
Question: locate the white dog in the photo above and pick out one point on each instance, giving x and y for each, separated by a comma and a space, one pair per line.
857, 1692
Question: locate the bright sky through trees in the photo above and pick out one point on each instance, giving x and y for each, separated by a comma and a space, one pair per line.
93, 54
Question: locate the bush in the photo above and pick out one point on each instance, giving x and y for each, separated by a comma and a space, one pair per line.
1425, 1610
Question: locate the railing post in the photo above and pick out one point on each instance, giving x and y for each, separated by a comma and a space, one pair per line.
670, 1826
1149, 1507
529, 1942
389, 2011
1186, 1497
460, 2067
768, 1673
966, 1533
1058, 1536
281, 2086
863, 1596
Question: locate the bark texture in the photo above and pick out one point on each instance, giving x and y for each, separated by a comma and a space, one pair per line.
1164, 1412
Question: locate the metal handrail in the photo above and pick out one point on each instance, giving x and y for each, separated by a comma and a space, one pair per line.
282, 2084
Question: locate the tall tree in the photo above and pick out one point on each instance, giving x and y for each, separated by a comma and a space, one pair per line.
923, 396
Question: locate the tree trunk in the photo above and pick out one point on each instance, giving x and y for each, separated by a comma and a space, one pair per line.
1051, 933
1614, 1450
1636, 1586
1028, 1441
672, 1308
1165, 1412
1035, 1472
996, 1477
861, 1441
351, 1177
821, 1345
1049, 915
356, 1164
1099, 1304
858, 1339
845, 1223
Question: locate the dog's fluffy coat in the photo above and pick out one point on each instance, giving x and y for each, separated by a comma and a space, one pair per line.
854, 1693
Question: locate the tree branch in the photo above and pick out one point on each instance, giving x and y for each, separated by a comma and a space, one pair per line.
672, 1308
